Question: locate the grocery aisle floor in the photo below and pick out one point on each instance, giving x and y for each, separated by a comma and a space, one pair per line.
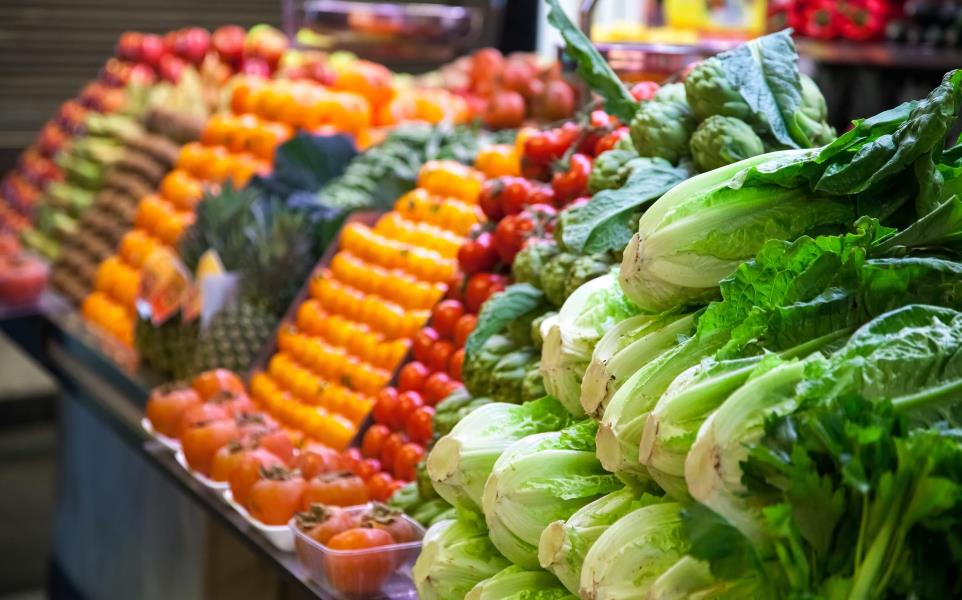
28, 450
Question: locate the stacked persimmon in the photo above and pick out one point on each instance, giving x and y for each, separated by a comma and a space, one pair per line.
356, 325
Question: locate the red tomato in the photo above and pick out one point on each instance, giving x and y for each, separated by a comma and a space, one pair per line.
167, 404
455, 364
573, 182
390, 449
490, 199
247, 472
209, 383
421, 425
542, 194
406, 462
368, 467
446, 315
373, 440
505, 110
480, 287
274, 499
610, 140
463, 329
423, 341
478, 254
486, 67
359, 573
436, 387
385, 406
341, 488
315, 459
321, 523
407, 403
200, 443
440, 355
352, 458
644, 90
412, 376
511, 234
380, 486
557, 100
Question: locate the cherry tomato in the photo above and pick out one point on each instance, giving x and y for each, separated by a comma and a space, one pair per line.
352, 459
441, 353
380, 486
247, 472
436, 387
368, 467
167, 404
373, 440
201, 442
610, 140
406, 462
321, 523
209, 383
539, 148
340, 488
510, 236
557, 101
314, 459
573, 182
420, 425
505, 110
455, 364
478, 254
446, 315
490, 199
423, 341
644, 90
412, 376
407, 403
275, 498
385, 406
463, 329
480, 287
542, 194
390, 520
359, 573
391, 447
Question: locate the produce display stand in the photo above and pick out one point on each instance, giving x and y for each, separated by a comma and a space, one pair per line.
116, 395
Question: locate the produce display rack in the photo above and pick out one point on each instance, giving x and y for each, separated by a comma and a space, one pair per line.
58, 339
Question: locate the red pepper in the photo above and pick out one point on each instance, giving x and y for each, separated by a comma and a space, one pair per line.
862, 20
819, 19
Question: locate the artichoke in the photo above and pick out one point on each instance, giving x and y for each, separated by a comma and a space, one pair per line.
721, 141
536, 334
810, 122
554, 277
609, 170
509, 374
710, 93
663, 129
672, 92
532, 387
585, 269
529, 263
478, 366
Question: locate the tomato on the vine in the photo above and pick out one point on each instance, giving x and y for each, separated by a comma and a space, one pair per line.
406, 462
440, 355
510, 236
480, 287
436, 387
385, 407
644, 90
455, 364
446, 315
515, 194
391, 447
423, 341
543, 194
420, 425
412, 376
407, 403
478, 254
352, 458
463, 329
574, 181
380, 486
610, 140
373, 440
368, 467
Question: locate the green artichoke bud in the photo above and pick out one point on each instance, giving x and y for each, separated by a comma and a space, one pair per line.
609, 170
810, 125
509, 373
625, 143
554, 277
721, 141
536, 335
709, 93
672, 92
529, 263
663, 129
585, 269
478, 366
532, 387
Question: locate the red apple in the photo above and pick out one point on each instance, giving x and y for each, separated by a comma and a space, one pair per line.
266, 42
51, 139
256, 66
192, 44
152, 49
171, 68
22, 278
142, 74
128, 46
228, 41
320, 72
170, 41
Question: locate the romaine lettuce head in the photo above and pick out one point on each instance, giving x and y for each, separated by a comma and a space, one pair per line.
517, 583
690, 578
455, 555
564, 544
586, 315
540, 479
702, 229
633, 553
460, 462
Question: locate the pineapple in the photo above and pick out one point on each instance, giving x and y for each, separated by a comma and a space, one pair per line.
169, 347
234, 337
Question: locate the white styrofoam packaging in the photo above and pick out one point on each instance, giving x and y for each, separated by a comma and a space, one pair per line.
280, 536
214, 485
168, 442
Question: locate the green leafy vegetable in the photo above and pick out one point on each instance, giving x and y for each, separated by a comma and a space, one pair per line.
500, 310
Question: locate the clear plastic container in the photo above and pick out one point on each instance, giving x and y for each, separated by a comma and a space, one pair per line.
383, 572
